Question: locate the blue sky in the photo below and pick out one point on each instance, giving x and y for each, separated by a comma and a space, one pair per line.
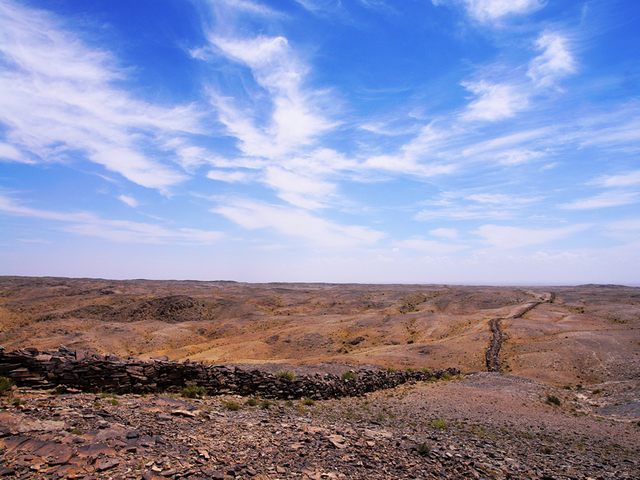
421, 141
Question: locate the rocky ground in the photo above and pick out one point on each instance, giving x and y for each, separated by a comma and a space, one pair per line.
565, 403
586, 334
485, 425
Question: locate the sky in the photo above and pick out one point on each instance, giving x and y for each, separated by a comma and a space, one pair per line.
370, 141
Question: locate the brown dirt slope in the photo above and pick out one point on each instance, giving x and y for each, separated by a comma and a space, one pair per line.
587, 334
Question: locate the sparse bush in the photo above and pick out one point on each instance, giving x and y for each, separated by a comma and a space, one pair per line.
439, 423
409, 369
5, 385
391, 370
348, 375
114, 402
76, 431
479, 430
251, 402
231, 405
193, 391
553, 400
288, 403
308, 402
424, 448
286, 374
265, 404
432, 379
445, 376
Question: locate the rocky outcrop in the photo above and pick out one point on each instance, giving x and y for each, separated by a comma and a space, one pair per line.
94, 372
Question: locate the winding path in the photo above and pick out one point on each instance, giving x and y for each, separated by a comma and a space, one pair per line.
493, 352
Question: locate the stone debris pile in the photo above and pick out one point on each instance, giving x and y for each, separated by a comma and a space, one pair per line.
108, 373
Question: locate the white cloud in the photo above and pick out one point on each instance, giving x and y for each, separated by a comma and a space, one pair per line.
625, 231
502, 237
607, 199
491, 10
457, 212
495, 101
555, 61
518, 156
295, 121
57, 100
624, 180
9, 152
499, 198
85, 223
464, 206
249, 7
429, 246
417, 157
444, 232
132, 202
298, 189
297, 223
488, 10
319, 5
228, 176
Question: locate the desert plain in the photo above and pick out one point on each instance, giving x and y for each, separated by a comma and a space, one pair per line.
563, 401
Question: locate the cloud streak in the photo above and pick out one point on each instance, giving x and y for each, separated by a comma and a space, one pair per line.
297, 223
120, 231
58, 98
507, 237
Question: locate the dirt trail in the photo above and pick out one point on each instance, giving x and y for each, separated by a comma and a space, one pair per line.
493, 352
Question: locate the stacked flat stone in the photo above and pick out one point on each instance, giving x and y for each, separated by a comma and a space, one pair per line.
94, 372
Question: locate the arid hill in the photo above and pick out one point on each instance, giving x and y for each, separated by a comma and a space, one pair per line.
576, 335
564, 403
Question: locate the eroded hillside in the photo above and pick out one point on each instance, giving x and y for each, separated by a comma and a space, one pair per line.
586, 334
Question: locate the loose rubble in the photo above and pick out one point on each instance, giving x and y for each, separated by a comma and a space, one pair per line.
429, 430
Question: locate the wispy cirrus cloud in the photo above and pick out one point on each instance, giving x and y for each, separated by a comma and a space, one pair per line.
445, 232
295, 120
296, 222
555, 62
495, 101
298, 189
122, 231
603, 200
507, 237
129, 200
9, 152
628, 179
229, 176
498, 99
59, 98
430, 247
464, 206
491, 10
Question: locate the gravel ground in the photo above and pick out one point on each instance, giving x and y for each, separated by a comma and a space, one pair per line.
482, 426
